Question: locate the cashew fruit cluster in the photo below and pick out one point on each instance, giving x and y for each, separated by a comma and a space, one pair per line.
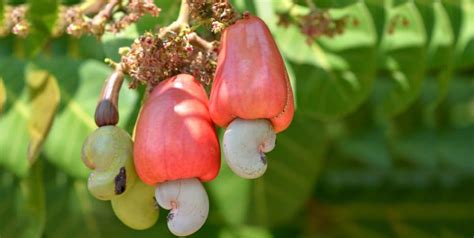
176, 147
108, 151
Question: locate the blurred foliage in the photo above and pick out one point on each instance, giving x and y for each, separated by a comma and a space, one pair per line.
382, 143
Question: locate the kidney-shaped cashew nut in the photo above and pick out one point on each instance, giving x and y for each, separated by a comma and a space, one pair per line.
245, 144
187, 199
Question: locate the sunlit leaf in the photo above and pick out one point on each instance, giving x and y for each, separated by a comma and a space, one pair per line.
280, 193
42, 15
3, 96
24, 211
439, 55
73, 211
44, 100
334, 75
112, 42
80, 84
464, 51
404, 51
13, 123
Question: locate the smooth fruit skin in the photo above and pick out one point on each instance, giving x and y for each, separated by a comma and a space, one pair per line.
108, 152
137, 208
175, 137
189, 204
251, 81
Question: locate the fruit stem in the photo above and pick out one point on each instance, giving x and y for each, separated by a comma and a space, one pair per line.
197, 40
106, 112
181, 22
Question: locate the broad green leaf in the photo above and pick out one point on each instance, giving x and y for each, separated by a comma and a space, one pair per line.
403, 52
80, 84
25, 215
112, 42
229, 188
439, 55
169, 12
42, 15
277, 196
293, 169
367, 148
378, 13
332, 3
460, 97
412, 149
464, 51
440, 33
73, 211
13, 124
3, 96
2, 8
246, 231
44, 100
455, 149
338, 72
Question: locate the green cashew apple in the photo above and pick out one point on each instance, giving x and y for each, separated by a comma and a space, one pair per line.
137, 208
109, 152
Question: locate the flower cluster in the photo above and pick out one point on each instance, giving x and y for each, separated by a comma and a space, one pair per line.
314, 24
152, 59
77, 20
219, 13
15, 21
134, 11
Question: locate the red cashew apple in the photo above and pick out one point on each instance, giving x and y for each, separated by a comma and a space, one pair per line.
251, 95
176, 147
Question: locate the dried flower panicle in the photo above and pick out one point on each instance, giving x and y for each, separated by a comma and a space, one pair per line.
314, 24
134, 10
15, 21
318, 23
219, 13
152, 59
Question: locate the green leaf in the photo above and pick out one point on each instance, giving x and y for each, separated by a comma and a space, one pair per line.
2, 7
440, 33
464, 51
44, 100
455, 149
403, 53
333, 3
335, 75
73, 211
3, 96
169, 12
42, 15
277, 196
80, 84
439, 56
112, 42
368, 148
246, 231
13, 123
26, 212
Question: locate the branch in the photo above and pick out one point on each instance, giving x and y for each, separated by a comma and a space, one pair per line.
98, 22
197, 40
181, 22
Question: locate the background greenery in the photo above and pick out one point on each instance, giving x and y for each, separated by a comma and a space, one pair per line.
382, 143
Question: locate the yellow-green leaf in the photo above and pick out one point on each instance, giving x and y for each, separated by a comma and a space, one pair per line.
3, 96
44, 100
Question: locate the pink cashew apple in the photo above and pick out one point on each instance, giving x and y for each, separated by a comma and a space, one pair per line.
251, 95
176, 147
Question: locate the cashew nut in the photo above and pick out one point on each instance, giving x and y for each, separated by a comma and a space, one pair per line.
245, 144
187, 199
